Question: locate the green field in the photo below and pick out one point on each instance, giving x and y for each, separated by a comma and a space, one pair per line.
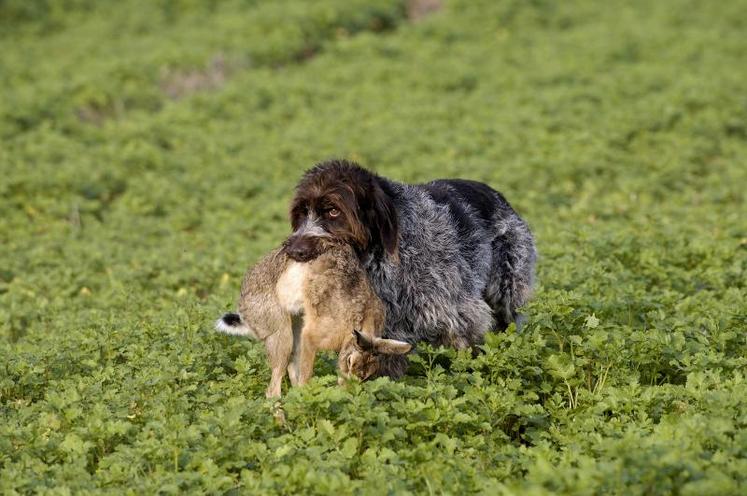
148, 152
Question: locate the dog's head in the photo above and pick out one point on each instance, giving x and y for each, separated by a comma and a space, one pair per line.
339, 201
361, 357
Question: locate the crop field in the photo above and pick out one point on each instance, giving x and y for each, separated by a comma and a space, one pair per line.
148, 153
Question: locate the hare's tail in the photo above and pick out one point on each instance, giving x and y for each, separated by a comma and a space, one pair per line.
231, 323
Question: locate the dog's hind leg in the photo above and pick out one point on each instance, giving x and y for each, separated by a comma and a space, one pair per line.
511, 278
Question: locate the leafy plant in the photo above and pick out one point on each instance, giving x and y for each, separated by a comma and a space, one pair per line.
149, 151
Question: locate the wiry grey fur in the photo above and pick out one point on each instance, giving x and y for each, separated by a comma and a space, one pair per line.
464, 263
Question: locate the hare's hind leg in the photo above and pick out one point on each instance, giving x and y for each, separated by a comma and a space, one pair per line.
307, 349
279, 349
294, 371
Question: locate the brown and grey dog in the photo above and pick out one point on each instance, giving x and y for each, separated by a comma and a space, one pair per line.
297, 308
450, 258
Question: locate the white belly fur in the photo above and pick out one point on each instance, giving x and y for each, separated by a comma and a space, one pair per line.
290, 287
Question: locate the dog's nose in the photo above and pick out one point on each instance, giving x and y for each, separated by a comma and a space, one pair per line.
299, 249
296, 252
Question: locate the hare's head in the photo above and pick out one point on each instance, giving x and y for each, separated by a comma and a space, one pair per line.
361, 356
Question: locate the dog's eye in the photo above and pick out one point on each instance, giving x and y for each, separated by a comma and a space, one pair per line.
333, 212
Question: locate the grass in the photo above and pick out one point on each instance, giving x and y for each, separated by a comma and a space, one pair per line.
149, 151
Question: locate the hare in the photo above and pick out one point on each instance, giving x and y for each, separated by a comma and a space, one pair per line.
298, 308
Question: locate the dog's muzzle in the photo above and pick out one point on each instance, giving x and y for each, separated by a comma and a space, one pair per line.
306, 243
302, 248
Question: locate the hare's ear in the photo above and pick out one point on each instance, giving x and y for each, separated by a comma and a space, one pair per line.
363, 342
380, 346
391, 346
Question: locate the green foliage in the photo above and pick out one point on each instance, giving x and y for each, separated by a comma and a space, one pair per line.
149, 150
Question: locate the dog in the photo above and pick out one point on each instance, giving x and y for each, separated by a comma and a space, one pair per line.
450, 258
299, 308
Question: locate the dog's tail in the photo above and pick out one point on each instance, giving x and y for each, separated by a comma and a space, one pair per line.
231, 323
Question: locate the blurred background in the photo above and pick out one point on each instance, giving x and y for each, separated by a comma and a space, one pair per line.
155, 144
149, 149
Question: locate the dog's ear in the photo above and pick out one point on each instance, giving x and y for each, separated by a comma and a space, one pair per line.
297, 211
384, 221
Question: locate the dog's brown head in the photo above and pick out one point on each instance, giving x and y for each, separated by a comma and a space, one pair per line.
339, 201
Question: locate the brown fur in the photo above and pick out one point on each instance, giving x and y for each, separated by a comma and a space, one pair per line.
366, 217
299, 308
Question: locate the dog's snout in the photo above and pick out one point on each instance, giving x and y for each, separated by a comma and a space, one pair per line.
296, 252
300, 249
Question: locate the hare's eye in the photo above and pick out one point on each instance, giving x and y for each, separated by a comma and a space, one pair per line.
333, 213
